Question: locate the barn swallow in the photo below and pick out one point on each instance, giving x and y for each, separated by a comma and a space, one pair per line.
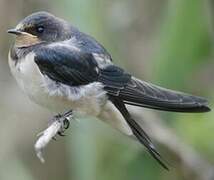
62, 68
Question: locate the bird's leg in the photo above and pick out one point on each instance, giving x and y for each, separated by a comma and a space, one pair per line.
58, 125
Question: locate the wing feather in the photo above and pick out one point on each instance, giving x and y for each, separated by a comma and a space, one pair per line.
139, 93
67, 66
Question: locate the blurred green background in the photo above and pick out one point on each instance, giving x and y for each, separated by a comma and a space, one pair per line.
169, 43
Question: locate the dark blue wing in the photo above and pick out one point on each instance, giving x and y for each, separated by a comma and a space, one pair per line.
67, 66
74, 67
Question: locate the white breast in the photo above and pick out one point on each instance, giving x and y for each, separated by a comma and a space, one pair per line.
57, 97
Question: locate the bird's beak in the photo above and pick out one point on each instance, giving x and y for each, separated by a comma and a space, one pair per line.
15, 31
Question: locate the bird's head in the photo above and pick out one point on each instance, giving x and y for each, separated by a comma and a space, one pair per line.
40, 27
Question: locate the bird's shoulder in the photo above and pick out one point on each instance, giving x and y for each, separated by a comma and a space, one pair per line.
80, 47
89, 43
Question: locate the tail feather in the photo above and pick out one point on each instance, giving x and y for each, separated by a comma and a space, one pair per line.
139, 132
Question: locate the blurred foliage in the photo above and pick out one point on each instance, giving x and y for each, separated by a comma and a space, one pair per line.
173, 38
16, 170
105, 153
196, 130
185, 42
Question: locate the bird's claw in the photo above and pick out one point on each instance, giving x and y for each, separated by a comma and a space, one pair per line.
64, 121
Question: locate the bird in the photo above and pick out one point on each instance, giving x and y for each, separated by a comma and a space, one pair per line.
61, 68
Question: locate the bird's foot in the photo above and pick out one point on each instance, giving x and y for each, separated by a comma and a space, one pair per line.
58, 126
64, 120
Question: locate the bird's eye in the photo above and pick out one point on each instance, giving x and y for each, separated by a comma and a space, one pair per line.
40, 29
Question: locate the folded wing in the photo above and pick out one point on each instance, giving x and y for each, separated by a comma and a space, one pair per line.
139, 93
